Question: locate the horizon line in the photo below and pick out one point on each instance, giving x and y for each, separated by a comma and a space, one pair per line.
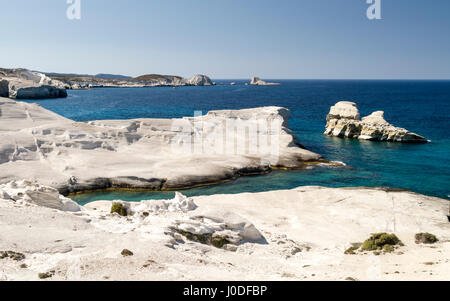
246, 78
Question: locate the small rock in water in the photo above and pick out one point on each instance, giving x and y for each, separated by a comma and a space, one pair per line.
344, 121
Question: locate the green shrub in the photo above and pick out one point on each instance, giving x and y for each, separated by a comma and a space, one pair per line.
219, 241
351, 251
119, 209
126, 252
12, 255
206, 239
378, 240
46, 275
426, 238
388, 249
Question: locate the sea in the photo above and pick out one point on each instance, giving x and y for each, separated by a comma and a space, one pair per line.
422, 107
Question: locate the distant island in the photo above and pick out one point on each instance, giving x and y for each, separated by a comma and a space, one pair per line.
74, 82
256, 81
22, 83
25, 84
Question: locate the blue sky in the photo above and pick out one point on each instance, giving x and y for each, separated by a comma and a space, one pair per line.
230, 38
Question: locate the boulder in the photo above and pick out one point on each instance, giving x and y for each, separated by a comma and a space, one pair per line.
344, 110
4, 88
219, 228
34, 193
23, 91
25, 84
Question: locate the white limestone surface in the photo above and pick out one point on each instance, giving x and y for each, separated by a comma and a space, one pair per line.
298, 234
160, 154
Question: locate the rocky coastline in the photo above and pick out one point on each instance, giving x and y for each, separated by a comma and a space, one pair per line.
80, 82
307, 233
26, 84
39, 145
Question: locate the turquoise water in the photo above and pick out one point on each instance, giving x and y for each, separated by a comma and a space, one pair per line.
420, 106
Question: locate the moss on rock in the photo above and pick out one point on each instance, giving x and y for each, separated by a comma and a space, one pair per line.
119, 209
219, 241
201, 238
426, 238
206, 239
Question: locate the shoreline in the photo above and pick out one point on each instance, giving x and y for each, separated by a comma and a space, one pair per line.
192, 186
155, 154
143, 190
298, 234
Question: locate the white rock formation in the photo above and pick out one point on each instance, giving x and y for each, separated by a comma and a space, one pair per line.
25, 84
179, 203
39, 145
344, 110
344, 121
23, 192
376, 118
304, 231
200, 80
256, 81
215, 227
77, 82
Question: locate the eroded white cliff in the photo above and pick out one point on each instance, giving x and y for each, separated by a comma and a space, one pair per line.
25, 84
36, 144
